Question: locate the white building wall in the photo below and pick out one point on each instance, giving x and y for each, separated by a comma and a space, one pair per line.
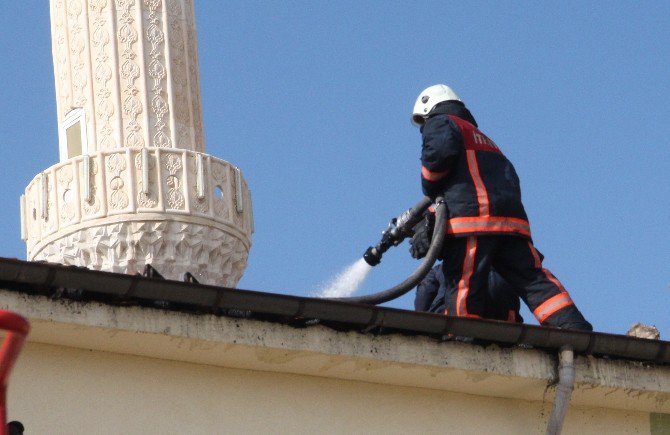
63, 390
91, 368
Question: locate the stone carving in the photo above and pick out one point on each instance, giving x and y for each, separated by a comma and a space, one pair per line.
61, 58
114, 180
150, 198
238, 217
102, 74
91, 207
130, 71
116, 165
200, 205
49, 222
212, 255
180, 76
184, 137
77, 47
219, 171
65, 176
66, 207
193, 77
31, 217
248, 212
174, 197
146, 201
118, 199
221, 204
157, 72
172, 162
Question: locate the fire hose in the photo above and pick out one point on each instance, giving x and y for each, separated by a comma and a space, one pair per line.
399, 229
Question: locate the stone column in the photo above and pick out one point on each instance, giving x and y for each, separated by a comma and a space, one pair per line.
132, 65
139, 189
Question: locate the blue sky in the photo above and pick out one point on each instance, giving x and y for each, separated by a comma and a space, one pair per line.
312, 101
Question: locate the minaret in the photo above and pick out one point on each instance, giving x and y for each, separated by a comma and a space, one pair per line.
134, 185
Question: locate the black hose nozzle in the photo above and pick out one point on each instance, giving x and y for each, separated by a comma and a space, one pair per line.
398, 230
372, 256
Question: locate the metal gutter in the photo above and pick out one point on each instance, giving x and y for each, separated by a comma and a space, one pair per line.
114, 288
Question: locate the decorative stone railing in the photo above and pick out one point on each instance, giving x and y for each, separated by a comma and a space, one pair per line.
177, 210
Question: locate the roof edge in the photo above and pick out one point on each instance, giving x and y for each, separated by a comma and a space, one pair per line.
394, 359
43, 278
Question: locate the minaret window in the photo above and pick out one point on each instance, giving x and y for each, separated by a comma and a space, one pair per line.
73, 141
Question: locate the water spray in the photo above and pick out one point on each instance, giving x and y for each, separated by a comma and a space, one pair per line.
347, 282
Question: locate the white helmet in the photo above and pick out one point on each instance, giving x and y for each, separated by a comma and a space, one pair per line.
428, 99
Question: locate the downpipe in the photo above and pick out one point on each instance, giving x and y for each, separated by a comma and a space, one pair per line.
399, 229
566, 383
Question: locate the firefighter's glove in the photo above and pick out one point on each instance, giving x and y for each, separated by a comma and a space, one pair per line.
423, 234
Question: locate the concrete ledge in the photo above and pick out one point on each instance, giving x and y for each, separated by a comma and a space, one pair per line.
415, 361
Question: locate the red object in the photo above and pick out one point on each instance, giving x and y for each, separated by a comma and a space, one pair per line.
17, 328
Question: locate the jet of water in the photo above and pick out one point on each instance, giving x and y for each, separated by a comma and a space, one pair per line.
347, 282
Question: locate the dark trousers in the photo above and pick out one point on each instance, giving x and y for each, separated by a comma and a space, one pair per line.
502, 301
466, 265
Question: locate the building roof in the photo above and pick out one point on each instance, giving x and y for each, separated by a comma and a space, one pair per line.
67, 282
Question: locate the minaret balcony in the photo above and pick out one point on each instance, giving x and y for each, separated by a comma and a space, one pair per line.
117, 210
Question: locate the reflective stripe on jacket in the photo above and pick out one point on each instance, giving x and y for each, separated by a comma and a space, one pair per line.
479, 184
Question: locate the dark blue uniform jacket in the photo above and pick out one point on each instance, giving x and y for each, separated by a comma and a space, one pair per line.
480, 186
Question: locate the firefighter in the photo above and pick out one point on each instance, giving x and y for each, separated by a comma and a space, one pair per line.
502, 302
487, 225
